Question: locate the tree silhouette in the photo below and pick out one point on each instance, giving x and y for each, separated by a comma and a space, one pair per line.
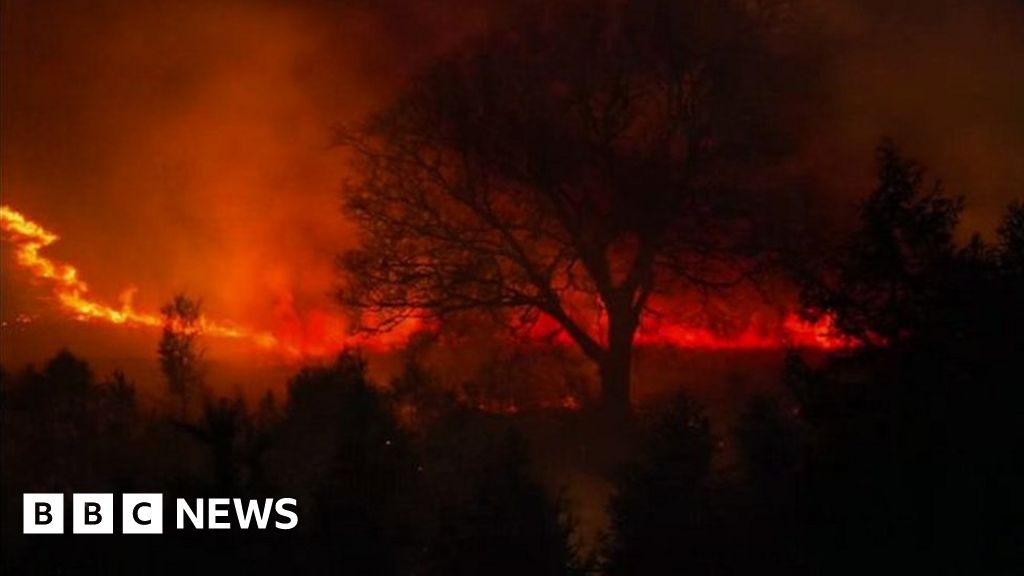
340, 450
884, 283
763, 506
507, 525
119, 406
1011, 238
659, 512
181, 357
768, 445
911, 438
571, 168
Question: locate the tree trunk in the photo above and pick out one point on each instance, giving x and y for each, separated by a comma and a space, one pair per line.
615, 381
616, 366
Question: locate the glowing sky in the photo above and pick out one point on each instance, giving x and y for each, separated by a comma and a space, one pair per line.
182, 146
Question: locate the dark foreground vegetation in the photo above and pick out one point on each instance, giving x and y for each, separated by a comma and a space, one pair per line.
902, 454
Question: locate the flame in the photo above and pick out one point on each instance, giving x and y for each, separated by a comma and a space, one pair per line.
318, 334
793, 331
72, 293
760, 332
29, 239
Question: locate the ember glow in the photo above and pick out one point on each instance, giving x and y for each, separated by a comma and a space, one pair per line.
323, 334
793, 332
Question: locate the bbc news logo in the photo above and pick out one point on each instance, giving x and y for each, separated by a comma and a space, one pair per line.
144, 513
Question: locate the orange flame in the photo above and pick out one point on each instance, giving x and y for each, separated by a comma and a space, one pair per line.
321, 334
29, 239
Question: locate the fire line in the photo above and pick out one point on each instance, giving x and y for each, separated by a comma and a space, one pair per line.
29, 239
72, 293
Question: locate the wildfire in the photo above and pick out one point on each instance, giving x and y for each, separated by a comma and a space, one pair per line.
323, 334
29, 239
793, 331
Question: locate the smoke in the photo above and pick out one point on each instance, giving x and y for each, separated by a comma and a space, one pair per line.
943, 78
183, 145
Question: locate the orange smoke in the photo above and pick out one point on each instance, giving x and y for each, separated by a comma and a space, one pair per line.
321, 334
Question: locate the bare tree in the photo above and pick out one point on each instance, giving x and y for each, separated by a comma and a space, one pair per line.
571, 166
181, 356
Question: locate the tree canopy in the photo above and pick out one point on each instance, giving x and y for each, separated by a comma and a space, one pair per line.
572, 167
